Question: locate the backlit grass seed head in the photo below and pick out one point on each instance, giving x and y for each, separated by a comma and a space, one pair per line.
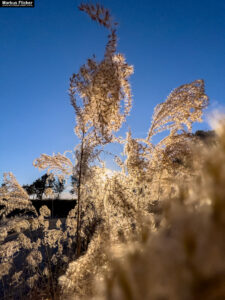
102, 86
13, 196
182, 107
45, 211
61, 164
34, 258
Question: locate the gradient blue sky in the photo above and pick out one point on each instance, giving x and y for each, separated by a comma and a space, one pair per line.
169, 42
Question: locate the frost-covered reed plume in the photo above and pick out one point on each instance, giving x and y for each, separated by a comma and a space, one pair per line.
101, 88
13, 196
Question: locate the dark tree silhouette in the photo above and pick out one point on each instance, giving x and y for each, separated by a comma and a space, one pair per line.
39, 186
30, 189
74, 183
58, 187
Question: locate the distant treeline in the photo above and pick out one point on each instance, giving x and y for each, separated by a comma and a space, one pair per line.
59, 208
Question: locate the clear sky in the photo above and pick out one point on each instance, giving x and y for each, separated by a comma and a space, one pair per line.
169, 43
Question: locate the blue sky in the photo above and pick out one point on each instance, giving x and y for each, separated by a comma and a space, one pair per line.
169, 43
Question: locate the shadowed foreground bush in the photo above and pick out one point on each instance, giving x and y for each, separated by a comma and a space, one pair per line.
59, 208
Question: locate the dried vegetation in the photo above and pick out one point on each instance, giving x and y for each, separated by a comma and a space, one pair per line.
153, 230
